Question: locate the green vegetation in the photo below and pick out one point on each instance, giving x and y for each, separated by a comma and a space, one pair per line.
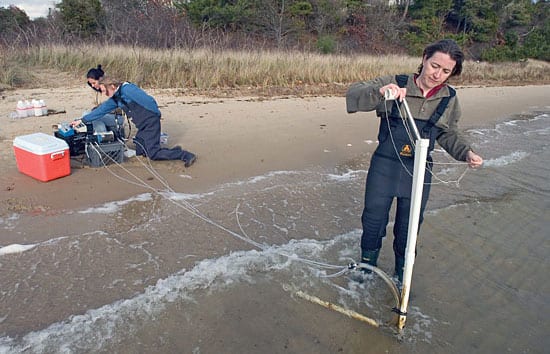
283, 43
498, 30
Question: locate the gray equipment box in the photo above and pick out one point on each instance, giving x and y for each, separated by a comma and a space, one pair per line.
104, 154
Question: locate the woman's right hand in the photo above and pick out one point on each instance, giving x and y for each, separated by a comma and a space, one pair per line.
397, 92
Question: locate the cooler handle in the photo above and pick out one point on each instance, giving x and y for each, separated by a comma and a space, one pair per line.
57, 155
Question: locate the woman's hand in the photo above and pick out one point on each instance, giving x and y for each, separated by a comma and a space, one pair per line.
473, 159
397, 92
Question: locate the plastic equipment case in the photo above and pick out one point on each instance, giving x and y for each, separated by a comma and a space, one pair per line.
104, 154
42, 156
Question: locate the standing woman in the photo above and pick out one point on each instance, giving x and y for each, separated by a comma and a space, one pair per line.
144, 112
436, 110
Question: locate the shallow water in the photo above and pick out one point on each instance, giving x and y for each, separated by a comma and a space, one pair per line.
220, 271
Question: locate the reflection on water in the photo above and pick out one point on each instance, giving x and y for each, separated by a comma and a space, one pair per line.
219, 271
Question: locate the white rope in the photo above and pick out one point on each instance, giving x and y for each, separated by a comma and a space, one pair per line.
340, 270
413, 144
191, 209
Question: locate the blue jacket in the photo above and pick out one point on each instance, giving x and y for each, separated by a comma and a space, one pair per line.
126, 94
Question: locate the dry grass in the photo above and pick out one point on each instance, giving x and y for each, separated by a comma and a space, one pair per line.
227, 72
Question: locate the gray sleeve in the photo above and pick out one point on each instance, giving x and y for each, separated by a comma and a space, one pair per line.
451, 138
365, 96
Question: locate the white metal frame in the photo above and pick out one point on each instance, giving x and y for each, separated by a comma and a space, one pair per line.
420, 156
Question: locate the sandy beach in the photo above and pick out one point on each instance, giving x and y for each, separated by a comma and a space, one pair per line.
234, 138
116, 268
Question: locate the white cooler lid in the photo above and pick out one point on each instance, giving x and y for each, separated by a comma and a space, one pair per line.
40, 143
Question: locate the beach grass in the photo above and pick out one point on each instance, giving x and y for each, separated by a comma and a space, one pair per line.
210, 70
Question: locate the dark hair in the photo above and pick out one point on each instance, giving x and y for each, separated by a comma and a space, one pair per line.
96, 74
446, 46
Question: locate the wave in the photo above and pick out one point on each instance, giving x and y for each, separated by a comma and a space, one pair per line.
506, 160
98, 327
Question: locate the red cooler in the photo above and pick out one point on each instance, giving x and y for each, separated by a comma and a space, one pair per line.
42, 156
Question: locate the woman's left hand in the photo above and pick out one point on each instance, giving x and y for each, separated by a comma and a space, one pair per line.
473, 159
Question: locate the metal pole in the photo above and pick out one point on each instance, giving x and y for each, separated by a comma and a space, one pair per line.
420, 154
411, 121
331, 306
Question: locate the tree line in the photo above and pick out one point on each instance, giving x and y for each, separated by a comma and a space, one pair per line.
500, 30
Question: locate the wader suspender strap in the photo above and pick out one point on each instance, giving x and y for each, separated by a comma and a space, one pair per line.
118, 95
118, 98
441, 107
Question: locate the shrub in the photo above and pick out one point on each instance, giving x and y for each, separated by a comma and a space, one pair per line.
326, 44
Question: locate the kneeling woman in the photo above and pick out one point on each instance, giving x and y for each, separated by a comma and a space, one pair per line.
144, 112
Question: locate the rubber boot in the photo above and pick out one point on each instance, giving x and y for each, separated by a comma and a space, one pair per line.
399, 267
369, 257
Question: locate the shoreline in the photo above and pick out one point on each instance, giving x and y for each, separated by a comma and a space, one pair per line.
235, 139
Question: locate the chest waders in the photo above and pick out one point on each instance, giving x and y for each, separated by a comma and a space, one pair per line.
147, 138
390, 176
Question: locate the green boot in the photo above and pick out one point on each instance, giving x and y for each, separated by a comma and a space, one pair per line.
369, 257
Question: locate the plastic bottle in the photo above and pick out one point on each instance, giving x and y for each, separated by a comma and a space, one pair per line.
20, 109
44, 108
29, 109
36, 108
163, 138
